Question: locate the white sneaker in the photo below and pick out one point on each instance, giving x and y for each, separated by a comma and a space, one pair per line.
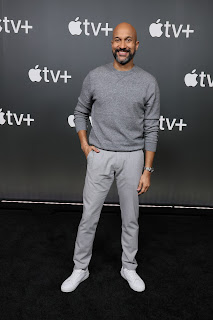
77, 276
135, 282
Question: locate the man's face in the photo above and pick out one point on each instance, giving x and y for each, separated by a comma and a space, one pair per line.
124, 46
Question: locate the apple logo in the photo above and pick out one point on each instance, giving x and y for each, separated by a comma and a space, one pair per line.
71, 121
74, 27
2, 120
155, 29
34, 74
190, 79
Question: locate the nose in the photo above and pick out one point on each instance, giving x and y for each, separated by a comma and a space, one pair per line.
122, 44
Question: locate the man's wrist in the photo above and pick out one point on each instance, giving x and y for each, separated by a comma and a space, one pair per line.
84, 144
148, 169
148, 173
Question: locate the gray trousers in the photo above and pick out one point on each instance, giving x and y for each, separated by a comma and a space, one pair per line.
102, 167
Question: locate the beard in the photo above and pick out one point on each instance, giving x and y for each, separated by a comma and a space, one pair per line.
128, 58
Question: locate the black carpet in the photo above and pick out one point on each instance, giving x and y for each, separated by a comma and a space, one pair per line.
174, 260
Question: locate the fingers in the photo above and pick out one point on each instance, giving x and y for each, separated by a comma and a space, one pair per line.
95, 149
143, 190
90, 148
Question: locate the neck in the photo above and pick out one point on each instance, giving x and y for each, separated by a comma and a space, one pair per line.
125, 67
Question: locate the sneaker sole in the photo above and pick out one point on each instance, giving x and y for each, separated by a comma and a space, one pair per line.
70, 290
123, 275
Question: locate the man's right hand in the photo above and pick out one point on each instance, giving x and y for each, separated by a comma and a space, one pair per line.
87, 149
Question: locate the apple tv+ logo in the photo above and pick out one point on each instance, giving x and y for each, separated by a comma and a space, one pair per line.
155, 29
13, 118
35, 75
74, 28
190, 79
9, 25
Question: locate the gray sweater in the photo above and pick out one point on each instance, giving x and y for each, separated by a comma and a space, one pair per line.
124, 107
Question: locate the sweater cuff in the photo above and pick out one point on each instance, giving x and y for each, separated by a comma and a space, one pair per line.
80, 126
150, 146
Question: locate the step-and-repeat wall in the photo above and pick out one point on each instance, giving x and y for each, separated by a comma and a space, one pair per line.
46, 50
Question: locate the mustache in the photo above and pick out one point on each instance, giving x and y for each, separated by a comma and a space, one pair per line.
123, 50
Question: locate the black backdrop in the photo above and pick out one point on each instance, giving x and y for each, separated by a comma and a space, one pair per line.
42, 159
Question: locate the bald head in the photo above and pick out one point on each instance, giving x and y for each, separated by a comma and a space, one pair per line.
125, 28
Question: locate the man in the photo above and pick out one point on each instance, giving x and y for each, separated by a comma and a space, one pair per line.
124, 103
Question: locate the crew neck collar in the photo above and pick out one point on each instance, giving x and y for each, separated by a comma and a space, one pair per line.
120, 71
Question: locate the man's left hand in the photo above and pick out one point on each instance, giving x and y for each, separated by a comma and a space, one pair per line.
144, 182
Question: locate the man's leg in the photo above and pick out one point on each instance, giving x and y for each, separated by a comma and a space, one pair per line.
98, 180
128, 173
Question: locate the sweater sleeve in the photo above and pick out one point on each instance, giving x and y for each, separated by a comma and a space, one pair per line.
84, 105
151, 117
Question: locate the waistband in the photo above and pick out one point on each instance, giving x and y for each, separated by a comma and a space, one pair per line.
118, 150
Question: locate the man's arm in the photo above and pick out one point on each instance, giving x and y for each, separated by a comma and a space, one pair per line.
151, 133
82, 112
84, 105
151, 117
149, 158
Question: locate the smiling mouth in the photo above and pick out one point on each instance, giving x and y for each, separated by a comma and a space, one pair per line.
122, 53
